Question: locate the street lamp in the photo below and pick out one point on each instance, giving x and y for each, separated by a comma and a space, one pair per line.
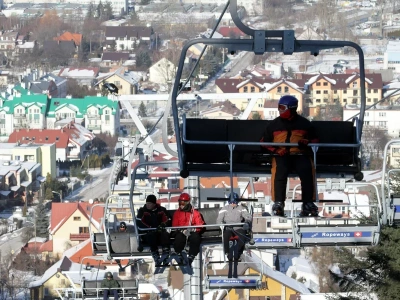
60, 194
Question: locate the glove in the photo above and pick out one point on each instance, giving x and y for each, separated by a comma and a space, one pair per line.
281, 151
303, 143
161, 227
246, 226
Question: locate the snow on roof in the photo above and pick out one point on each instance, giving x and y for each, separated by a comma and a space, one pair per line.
372, 176
312, 80
336, 195
324, 296
79, 72
63, 263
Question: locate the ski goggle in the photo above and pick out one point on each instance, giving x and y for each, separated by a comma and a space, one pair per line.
283, 107
183, 202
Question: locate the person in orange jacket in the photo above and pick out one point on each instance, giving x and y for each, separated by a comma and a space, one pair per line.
186, 215
290, 127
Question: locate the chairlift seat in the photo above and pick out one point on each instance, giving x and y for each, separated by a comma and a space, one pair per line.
198, 159
91, 289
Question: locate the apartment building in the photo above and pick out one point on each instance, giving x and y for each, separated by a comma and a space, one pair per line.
22, 111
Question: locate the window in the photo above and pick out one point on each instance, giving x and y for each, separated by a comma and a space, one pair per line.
282, 220
382, 114
107, 119
77, 218
343, 209
46, 291
318, 92
325, 84
252, 89
375, 100
206, 205
345, 100
318, 83
335, 91
354, 84
369, 90
344, 91
369, 100
382, 124
279, 89
216, 205
325, 92
366, 122
286, 89
57, 138
366, 114
117, 83
375, 91
47, 138
329, 209
325, 100
17, 157
318, 100
245, 89
83, 230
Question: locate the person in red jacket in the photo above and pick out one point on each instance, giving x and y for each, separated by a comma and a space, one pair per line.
186, 215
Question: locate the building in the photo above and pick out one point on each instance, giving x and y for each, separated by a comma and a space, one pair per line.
221, 110
162, 72
126, 38
84, 76
43, 154
73, 141
20, 111
126, 81
69, 224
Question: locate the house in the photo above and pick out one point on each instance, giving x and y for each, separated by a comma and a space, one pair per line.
19, 180
84, 76
162, 72
65, 48
50, 84
61, 276
69, 36
25, 47
8, 40
69, 224
126, 81
73, 141
40, 153
270, 109
221, 110
22, 110
126, 38
110, 59
274, 68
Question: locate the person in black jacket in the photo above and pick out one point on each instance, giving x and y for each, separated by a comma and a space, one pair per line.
153, 215
290, 127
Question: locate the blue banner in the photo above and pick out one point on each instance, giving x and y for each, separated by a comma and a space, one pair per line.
232, 281
272, 240
354, 234
397, 208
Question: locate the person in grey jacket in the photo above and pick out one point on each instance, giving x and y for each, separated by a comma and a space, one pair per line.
234, 213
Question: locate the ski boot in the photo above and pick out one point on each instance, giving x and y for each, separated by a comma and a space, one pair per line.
308, 209
191, 259
156, 257
278, 209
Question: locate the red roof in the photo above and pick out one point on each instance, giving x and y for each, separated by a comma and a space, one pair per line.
62, 211
46, 247
61, 137
229, 31
69, 36
40, 136
87, 251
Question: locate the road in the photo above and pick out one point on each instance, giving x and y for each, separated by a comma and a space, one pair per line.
98, 188
10, 244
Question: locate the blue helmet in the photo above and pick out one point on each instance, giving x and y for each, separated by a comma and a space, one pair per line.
287, 106
234, 199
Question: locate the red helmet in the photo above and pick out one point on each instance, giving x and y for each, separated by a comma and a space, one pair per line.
184, 197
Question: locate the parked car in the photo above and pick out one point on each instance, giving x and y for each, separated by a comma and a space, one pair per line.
342, 61
338, 66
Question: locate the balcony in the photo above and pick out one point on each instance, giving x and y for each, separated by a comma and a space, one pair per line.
79, 236
20, 116
93, 116
93, 127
